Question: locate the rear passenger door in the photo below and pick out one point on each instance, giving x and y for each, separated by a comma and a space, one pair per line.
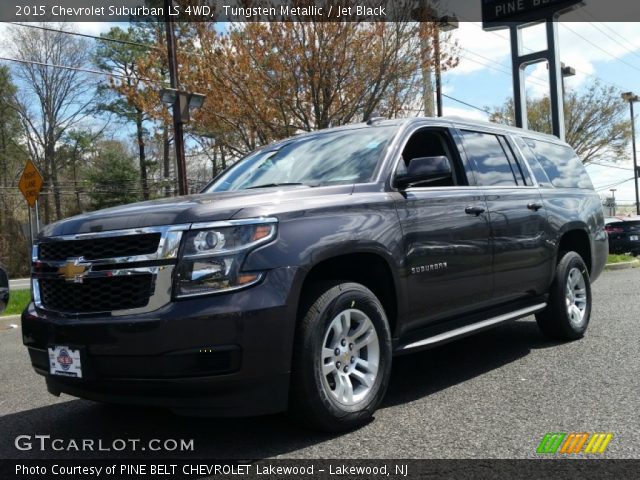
519, 235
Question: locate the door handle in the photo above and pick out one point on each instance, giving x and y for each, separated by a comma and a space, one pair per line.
534, 206
474, 210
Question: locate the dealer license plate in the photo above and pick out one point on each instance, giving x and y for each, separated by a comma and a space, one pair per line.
64, 361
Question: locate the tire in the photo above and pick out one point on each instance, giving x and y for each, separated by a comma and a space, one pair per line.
338, 379
569, 310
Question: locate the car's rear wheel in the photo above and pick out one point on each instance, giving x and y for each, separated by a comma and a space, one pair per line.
569, 310
342, 358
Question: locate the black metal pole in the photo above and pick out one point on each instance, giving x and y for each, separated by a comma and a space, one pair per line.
635, 155
555, 78
178, 131
519, 92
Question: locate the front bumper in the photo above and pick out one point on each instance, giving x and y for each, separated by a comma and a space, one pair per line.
227, 354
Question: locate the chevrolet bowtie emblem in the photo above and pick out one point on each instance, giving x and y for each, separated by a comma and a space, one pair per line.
74, 270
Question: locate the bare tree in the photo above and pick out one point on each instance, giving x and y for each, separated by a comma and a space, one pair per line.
50, 100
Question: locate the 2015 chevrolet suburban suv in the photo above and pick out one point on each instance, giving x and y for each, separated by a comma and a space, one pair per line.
297, 275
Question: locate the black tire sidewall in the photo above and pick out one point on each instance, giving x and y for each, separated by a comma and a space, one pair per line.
569, 261
339, 298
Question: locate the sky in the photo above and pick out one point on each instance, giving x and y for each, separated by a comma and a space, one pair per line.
609, 52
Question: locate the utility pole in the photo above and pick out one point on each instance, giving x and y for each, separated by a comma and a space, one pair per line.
178, 130
444, 24
427, 84
632, 98
423, 14
430, 37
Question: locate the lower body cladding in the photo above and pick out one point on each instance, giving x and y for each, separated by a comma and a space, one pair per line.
221, 355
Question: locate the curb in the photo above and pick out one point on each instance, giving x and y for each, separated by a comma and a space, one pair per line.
622, 265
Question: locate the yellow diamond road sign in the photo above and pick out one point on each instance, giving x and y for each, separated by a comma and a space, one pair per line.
30, 183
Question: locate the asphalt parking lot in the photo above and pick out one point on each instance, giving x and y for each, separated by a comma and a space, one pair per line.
490, 396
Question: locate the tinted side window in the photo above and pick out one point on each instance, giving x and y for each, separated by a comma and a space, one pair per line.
561, 164
536, 168
521, 174
493, 167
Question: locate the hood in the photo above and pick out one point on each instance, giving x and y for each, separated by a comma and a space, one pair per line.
206, 207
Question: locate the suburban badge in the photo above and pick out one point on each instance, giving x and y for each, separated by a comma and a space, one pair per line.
428, 268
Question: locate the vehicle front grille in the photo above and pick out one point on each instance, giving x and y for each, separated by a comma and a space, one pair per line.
96, 294
100, 248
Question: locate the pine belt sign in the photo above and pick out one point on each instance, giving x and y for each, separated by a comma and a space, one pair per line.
499, 13
30, 183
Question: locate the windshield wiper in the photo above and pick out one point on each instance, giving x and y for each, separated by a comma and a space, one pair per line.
266, 185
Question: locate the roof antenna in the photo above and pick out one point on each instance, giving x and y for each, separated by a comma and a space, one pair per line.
374, 117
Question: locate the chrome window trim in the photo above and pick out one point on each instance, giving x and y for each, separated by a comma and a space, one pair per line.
523, 159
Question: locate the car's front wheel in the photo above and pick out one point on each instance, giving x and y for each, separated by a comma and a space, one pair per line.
342, 358
569, 310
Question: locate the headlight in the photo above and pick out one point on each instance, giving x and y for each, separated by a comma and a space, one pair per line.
211, 258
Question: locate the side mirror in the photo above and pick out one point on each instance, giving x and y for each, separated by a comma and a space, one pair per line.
424, 170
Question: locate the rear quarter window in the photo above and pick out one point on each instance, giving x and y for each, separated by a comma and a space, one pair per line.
560, 163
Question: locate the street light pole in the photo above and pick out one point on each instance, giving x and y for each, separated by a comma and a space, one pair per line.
613, 206
635, 154
631, 98
566, 71
178, 130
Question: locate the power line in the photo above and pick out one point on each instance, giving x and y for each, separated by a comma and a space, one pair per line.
86, 35
594, 25
529, 50
600, 48
507, 70
466, 103
609, 166
615, 184
599, 25
77, 69
106, 39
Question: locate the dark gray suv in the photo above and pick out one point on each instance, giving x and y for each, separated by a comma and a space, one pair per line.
293, 279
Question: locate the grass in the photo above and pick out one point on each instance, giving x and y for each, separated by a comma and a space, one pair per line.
18, 300
620, 258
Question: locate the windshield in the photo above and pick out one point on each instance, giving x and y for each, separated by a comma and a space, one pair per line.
341, 157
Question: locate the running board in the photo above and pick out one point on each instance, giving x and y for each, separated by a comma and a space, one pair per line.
467, 329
